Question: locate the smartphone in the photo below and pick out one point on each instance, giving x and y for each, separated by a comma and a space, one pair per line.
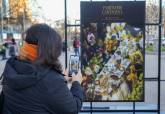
73, 64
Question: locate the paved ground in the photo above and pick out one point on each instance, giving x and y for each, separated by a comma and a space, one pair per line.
151, 66
150, 87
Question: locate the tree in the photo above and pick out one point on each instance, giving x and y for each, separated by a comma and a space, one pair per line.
152, 11
20, 6
20, 13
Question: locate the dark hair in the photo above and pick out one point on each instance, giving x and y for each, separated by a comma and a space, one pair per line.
49, 45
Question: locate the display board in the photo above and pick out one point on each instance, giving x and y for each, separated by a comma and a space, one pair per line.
112, 50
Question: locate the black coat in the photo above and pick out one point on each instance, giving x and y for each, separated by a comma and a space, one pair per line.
36, 90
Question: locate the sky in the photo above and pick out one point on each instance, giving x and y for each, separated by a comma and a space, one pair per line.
54, 9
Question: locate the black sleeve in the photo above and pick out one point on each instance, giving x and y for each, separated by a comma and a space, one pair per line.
61, 100
78, 96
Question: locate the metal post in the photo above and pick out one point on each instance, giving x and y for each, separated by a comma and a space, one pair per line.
66, 57
91, 108
23, 25
76, 27
1, 39
134, 107
159, 53
23, 21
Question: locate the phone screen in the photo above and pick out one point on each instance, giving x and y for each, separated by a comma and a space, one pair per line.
73, 64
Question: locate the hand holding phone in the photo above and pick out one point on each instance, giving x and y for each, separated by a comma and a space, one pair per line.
66, 75
73, 64
77, 77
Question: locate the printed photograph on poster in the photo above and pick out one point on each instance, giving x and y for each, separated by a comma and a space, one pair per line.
112, 62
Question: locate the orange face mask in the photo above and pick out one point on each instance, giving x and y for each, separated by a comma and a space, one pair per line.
28, 51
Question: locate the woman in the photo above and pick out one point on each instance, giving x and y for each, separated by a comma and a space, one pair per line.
12, 48
33, 82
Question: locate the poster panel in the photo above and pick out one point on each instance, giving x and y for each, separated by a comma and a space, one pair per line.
112, 55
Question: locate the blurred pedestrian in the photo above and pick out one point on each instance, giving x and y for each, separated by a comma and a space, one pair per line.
3, 52
76, 45
12, 48
33, 82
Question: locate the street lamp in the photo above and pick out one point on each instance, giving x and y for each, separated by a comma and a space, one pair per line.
22, 11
